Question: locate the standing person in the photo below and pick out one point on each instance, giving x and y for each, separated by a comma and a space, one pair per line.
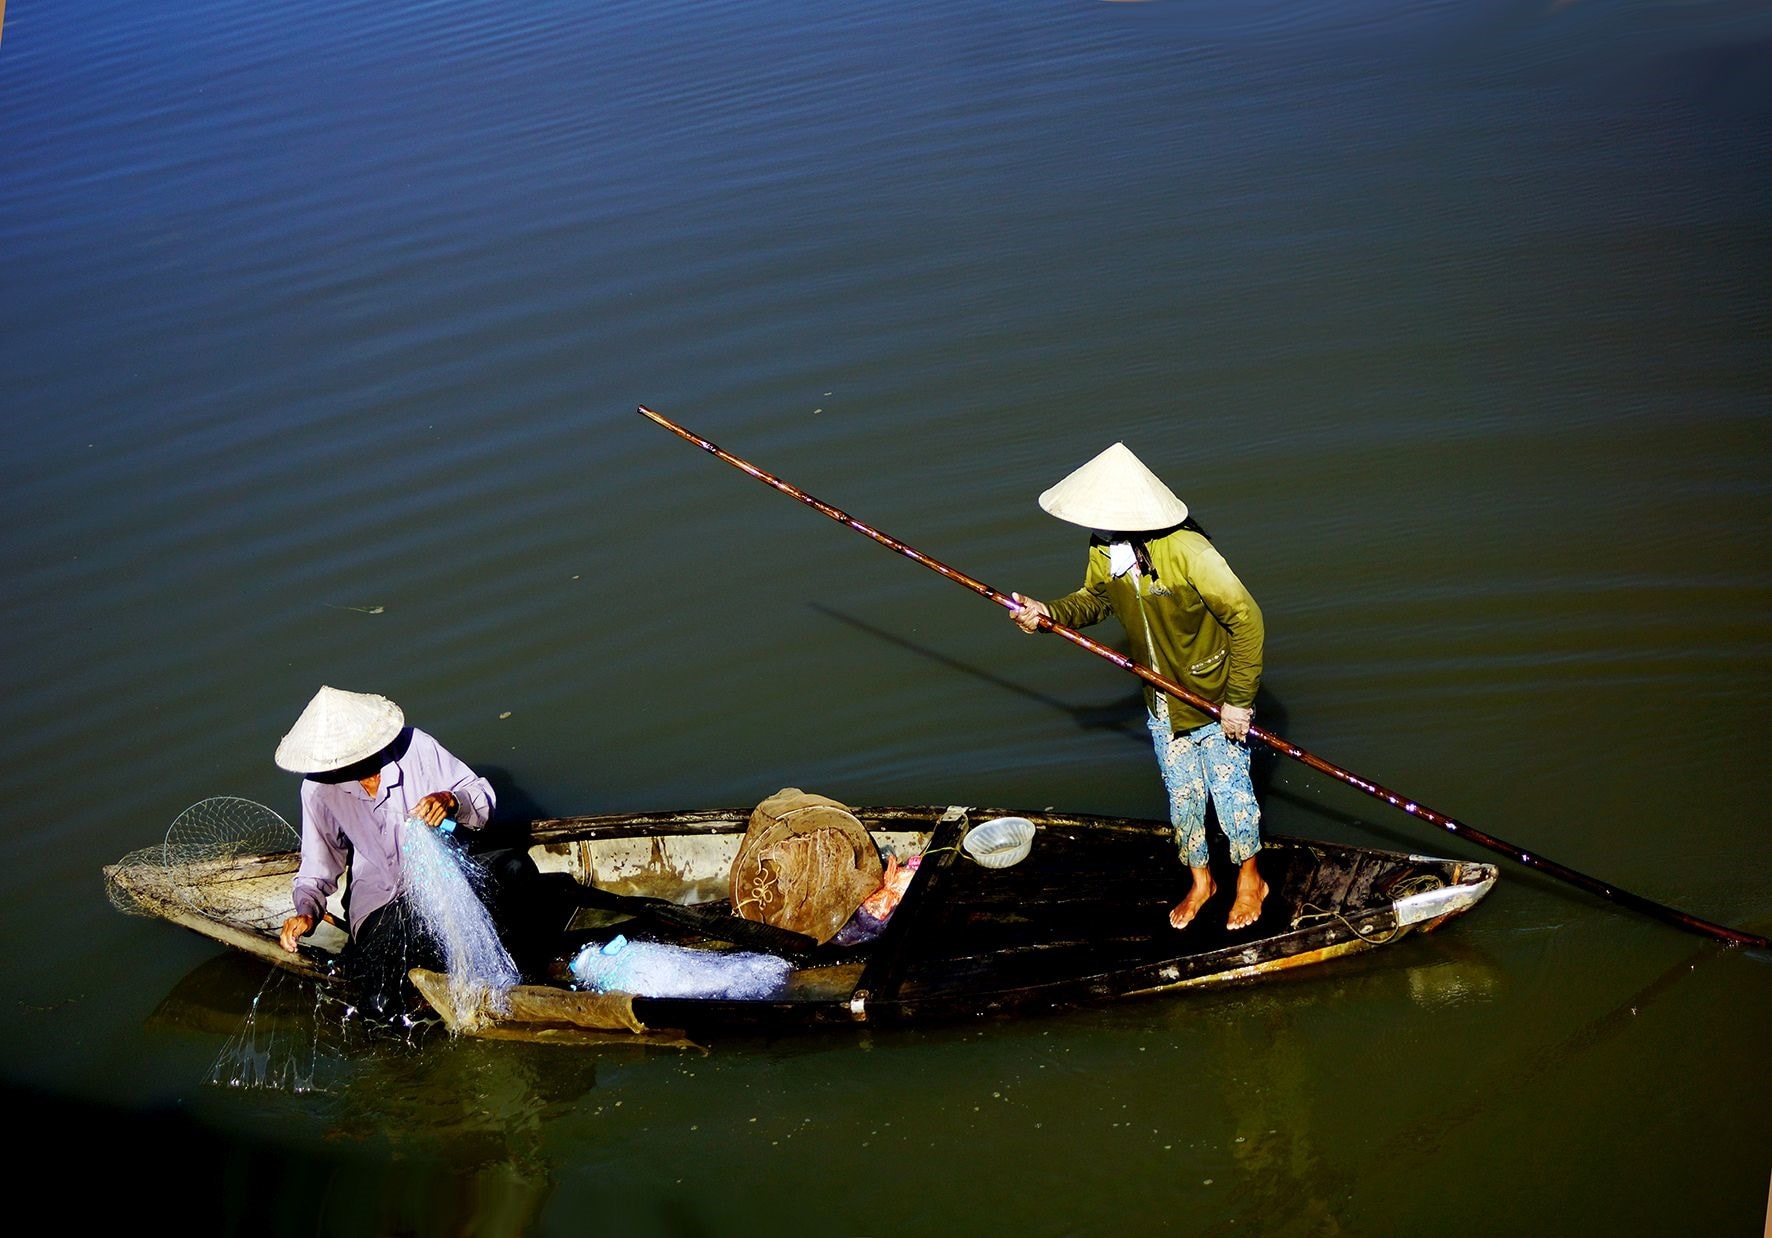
365, 773
1191, 620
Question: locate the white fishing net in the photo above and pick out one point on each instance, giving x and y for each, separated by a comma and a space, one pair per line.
444, 886
659, 969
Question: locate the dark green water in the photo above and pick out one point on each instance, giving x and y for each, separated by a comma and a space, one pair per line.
324, 328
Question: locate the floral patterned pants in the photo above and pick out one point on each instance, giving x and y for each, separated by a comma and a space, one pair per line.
1199, 764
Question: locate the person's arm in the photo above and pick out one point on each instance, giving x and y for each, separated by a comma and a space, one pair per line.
1086, 606
1234, 608
322, 861
459, 793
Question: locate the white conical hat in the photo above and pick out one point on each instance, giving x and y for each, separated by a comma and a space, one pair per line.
337, 729
1115, 493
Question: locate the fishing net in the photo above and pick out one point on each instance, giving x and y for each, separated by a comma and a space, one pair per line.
295, 1036
226, 826
445, 887
222, 835
227, 863
806, 863
662, 969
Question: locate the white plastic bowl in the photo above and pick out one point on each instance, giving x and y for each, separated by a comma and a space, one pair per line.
1000, 842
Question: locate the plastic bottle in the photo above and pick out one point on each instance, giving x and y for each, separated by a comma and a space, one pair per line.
445, 827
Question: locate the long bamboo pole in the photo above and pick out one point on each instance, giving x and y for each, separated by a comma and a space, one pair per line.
1414, 808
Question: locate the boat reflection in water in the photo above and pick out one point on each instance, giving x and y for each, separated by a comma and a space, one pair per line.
401, 1130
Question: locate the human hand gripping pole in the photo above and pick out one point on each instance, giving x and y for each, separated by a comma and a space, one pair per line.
1044, 622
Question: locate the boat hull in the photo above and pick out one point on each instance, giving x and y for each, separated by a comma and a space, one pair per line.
1081, 921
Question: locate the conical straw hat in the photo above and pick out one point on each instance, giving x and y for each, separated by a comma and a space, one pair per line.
1115, 493
337, 729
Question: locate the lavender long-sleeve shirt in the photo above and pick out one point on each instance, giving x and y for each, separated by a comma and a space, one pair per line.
342, 825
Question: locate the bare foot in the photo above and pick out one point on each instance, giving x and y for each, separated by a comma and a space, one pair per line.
1251, 890
1189, 907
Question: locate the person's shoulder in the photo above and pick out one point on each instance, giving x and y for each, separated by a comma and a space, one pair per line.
1184, 543
320, 799
416, 741
1191, 553
1184, 536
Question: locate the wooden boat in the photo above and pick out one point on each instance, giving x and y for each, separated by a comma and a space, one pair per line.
1082, 919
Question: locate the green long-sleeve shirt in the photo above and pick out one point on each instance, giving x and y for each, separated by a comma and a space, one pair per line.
1204, 630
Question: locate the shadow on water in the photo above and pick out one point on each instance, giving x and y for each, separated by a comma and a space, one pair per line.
405, 1132
513, 812
151, 1153
480, 1172
1124, 715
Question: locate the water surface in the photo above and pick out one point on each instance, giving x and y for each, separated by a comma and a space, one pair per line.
325, 328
